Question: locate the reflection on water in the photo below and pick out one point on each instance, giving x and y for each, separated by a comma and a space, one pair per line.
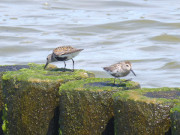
144, 32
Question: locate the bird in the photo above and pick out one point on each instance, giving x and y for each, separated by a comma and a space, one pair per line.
120, 69
62, 53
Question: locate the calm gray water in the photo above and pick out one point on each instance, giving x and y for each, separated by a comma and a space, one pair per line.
146, 32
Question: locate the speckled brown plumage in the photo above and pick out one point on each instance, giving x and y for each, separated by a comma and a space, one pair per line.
120, 69
63, 53
64, 50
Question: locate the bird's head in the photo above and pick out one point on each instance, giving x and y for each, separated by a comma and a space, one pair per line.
48, 60
129, 67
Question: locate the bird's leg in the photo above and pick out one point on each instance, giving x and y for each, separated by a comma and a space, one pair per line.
73, 64
64, 66
114, 80
119, 80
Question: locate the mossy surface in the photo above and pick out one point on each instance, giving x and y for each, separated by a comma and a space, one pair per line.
31, 96
151, 95
86, 106
175, 119
4, 69
1, 97
37, 73
144, 111
176, 108
98, 85
1, 105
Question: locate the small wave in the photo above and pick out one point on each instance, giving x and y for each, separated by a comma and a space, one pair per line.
173, 25
118, 26
152, 48
171, 65
18, 29
149, 60
166, 38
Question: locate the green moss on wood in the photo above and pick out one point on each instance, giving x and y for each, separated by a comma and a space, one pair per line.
3, 70
144, 111
86, 105
31, 96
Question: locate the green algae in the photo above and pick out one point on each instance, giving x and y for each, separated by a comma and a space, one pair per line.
3, 70
86, 106
1, 97
4, 118
144, 111
31, 96
176, 108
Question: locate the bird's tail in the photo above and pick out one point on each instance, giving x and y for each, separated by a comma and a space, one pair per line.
106, 68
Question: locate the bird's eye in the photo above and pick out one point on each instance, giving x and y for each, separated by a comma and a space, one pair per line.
127, 65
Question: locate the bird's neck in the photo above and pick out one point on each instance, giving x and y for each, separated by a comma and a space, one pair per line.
53, 59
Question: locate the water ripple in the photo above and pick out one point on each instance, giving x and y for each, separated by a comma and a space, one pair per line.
171, 65
144, 32
166, 38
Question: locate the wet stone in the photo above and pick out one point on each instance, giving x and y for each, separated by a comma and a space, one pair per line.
163, 94
12, 67
104, 84
62, 70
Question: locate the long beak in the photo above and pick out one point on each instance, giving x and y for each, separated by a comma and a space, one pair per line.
133, 72
46, 65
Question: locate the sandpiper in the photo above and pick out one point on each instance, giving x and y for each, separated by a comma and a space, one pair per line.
120, 69
63, 53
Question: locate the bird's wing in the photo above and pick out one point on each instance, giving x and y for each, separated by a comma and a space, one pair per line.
110, 68
65, 52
